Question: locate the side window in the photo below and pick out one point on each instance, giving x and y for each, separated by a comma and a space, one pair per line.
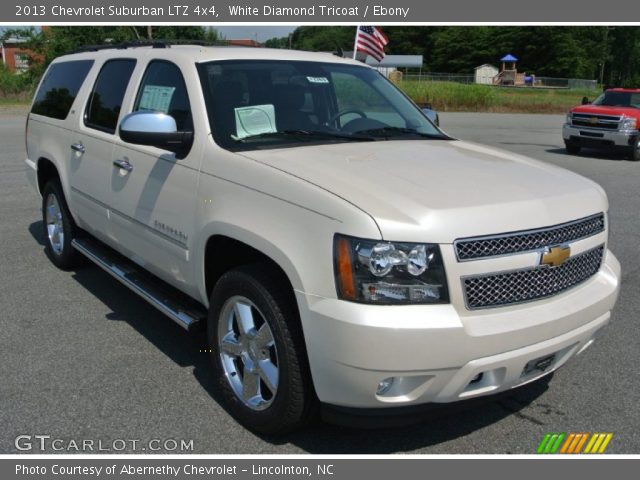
60, 87
105, 101
163, 90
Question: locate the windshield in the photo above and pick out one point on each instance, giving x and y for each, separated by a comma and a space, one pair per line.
269, 104
618, 99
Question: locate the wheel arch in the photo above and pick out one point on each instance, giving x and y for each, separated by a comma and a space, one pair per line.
229, 247
46, 170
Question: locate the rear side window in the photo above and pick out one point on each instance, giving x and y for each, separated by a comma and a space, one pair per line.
108, 92
163, 90
60, 87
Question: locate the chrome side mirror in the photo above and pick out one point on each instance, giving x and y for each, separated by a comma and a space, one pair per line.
155, 129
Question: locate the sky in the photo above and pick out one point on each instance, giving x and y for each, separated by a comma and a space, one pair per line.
250, 31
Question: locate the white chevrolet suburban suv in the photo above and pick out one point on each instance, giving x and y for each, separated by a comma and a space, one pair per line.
339, 248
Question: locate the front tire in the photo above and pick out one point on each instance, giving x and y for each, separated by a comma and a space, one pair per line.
571, 147
258, 352
59, 227
635, 153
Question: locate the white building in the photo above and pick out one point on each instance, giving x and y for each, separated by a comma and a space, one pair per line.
485, 74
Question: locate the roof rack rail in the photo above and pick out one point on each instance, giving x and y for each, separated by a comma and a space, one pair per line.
150, 43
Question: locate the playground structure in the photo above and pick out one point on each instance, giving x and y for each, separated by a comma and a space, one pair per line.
509, 75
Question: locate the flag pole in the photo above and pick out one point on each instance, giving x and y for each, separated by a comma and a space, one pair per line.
355, 42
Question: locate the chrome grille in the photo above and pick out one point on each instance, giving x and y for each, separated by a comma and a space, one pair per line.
519, 286
589, 120
528, 240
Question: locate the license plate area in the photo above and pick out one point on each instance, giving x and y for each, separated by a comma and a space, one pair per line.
591, 134
538, 365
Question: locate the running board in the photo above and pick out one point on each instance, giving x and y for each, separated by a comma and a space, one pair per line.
177, 306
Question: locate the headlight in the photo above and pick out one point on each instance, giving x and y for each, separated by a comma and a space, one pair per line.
374, 271
569, 118
629, 123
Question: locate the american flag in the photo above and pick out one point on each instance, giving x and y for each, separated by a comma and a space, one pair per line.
371, 40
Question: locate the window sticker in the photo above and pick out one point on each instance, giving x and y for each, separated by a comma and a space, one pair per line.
156, 98
318, 79
254, 120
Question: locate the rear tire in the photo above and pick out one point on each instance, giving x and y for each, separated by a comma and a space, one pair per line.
258, 351
571, 147
59, 227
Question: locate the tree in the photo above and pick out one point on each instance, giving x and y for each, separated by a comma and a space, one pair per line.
624, 67
281, 42
324, 39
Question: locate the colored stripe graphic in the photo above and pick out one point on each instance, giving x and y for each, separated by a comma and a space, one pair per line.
543, 443
604, 445
551, 442
581, 443
573, 443
598, 443
567, 443
556, 445
594, 437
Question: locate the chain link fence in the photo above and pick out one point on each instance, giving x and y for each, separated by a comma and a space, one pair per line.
539, 82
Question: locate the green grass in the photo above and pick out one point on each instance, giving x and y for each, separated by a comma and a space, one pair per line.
15, 100
457, 97
443, 96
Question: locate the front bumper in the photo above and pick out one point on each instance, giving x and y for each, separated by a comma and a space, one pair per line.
599, 138
32, 174
437, 355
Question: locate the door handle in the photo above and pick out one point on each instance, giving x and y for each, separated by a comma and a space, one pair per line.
78, 147
123, 164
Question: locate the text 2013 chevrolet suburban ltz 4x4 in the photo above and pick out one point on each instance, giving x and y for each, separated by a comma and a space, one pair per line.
340, 248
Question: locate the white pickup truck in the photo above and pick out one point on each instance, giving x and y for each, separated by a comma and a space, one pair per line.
339, 248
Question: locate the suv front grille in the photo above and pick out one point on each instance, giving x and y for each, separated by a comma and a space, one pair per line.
605, 122
528, 240
519, 286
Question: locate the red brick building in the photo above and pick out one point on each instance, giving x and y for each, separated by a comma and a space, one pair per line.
244, 42
14, 55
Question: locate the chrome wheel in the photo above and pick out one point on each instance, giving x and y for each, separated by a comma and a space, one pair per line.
55, 226
248, 353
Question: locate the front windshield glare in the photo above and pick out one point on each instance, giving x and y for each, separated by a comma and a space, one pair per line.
619, 99
270, 104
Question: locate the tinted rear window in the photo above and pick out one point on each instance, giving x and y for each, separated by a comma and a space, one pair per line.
60, 87
106, 99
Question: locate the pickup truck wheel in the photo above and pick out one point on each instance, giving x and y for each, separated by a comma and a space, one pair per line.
258, 351
635, 154
571, 147
59, 227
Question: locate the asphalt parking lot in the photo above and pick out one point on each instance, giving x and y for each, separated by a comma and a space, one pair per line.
83, 358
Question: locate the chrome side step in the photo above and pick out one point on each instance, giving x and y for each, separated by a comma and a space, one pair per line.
178, 307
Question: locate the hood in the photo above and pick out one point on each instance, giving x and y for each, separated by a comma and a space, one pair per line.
607, 110
439, 190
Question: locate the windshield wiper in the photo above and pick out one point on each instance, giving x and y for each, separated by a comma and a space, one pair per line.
388, 132
308, 134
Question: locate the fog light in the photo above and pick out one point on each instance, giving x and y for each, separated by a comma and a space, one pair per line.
384, 386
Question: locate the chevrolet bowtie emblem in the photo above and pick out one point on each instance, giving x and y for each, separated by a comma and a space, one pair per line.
555, 256
593, 120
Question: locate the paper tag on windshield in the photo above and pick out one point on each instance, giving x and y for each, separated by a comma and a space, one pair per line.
318, 79
254, 120
156, 98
